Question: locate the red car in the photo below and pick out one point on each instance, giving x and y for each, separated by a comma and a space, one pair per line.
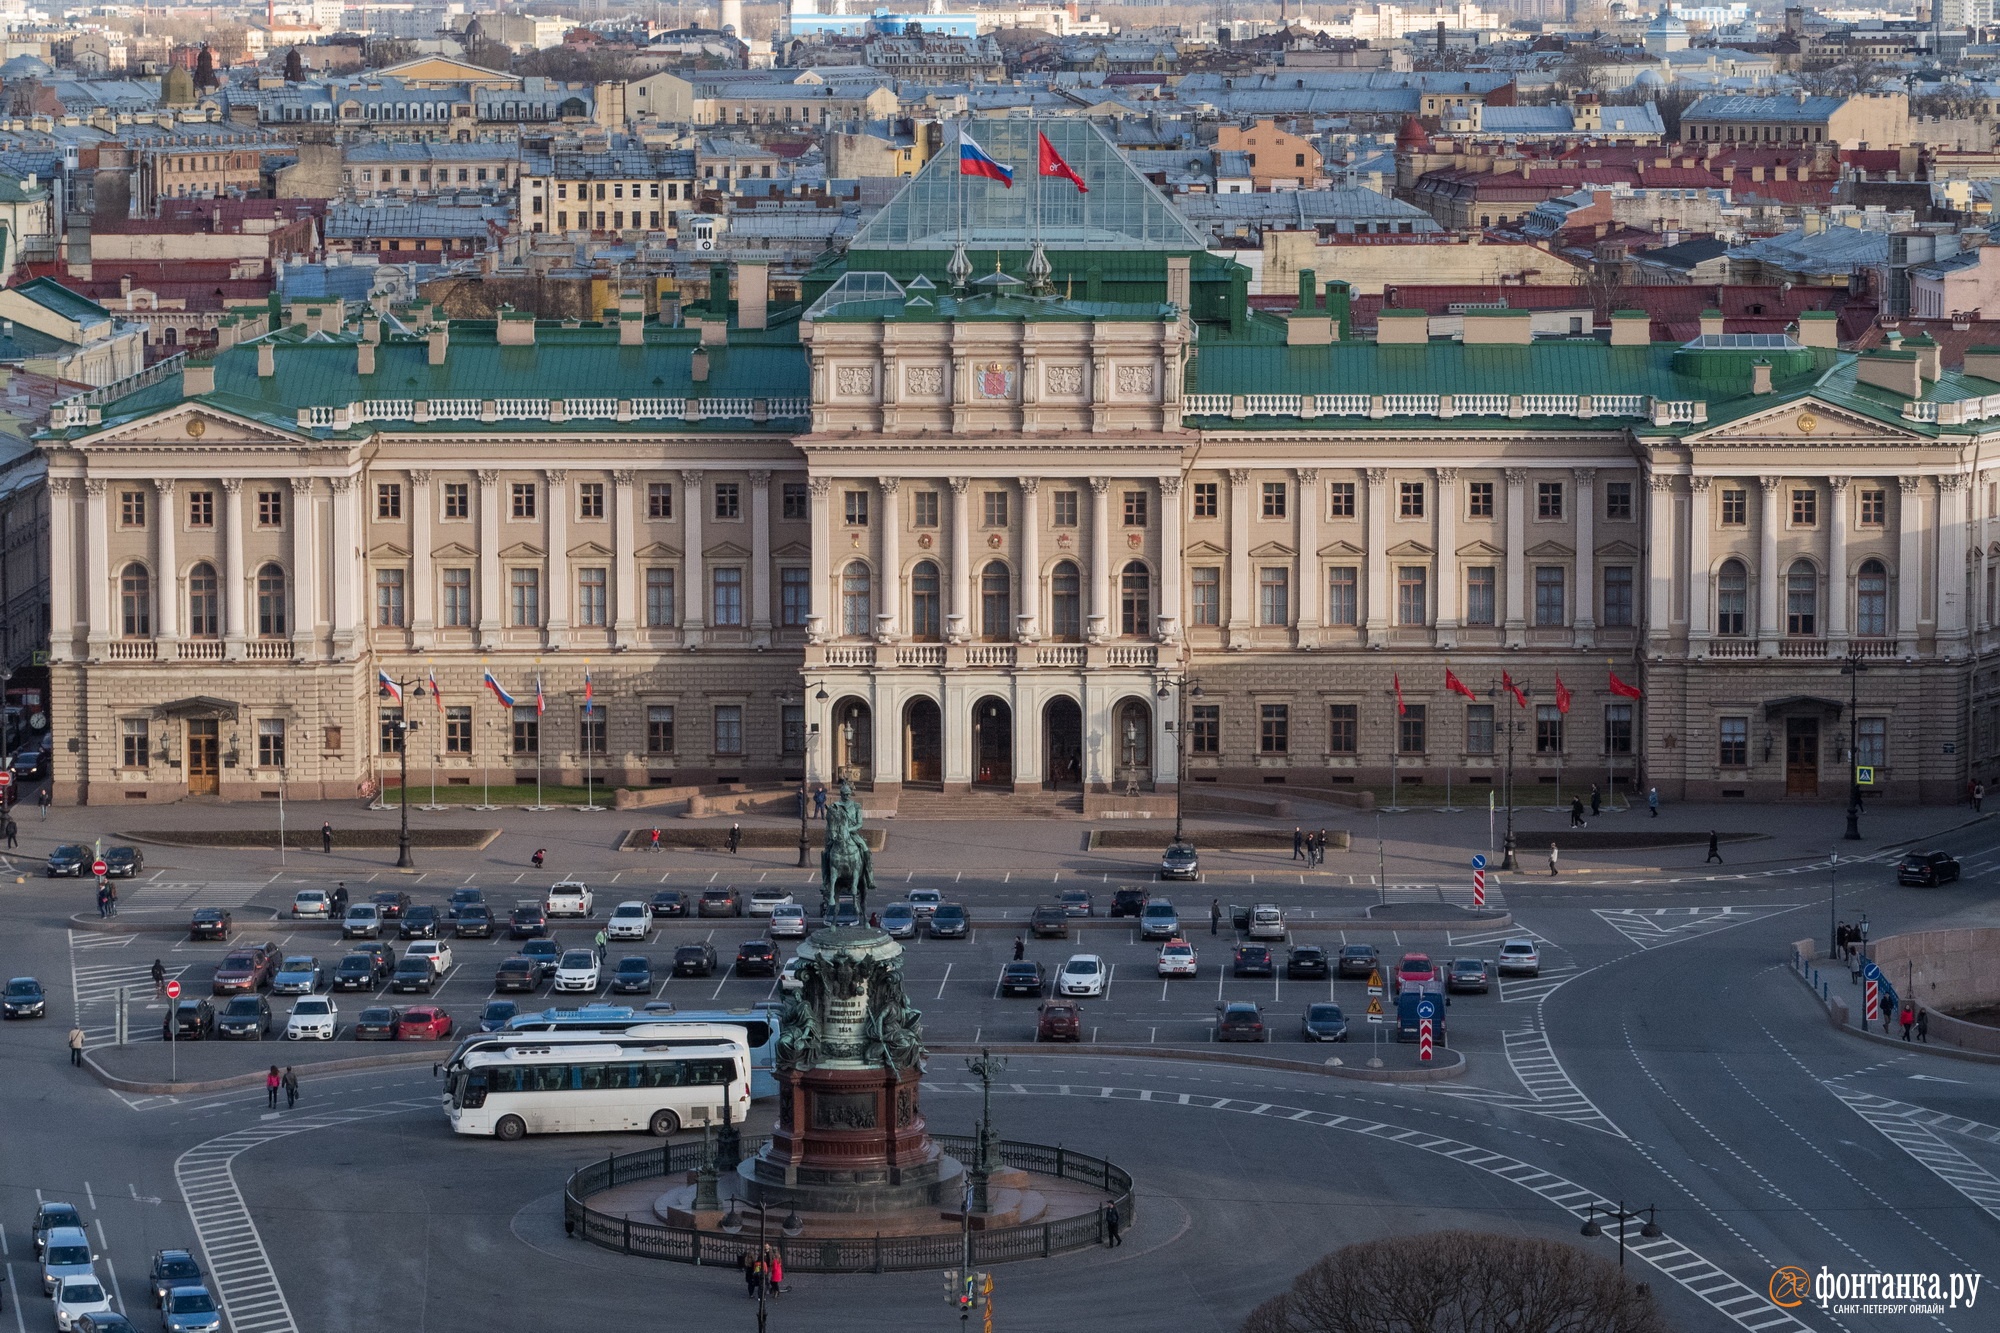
1415, 968
424, 1023
1059, 1020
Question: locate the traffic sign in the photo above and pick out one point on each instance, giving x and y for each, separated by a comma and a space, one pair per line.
1374, 1008
1424, 1040
98, 868
1374, 990
1479, 862
173, 990
1864, 776
6, 779
1426, 1010
1871, 1000
1478, 886
1375, 982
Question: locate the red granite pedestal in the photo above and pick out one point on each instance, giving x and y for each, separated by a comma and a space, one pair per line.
849, 1140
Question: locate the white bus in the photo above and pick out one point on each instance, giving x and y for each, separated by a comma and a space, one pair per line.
572, 1087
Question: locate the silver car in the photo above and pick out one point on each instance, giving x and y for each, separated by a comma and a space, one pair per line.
66, 1254
362, 922
1519, 958
899, 920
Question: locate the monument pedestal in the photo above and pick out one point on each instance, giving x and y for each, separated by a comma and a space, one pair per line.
850, 1141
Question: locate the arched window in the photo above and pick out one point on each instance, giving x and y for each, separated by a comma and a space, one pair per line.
135, 602
1802, 599
924, 610
271, 602
1871, 600
996, 602
1135, 602
204, 621
857, 601
1732, 595
1066, 602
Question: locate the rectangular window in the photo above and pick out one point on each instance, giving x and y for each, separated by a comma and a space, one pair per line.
1805, 507
1343, 728
1412, 595
729, 728
591, 585
659, 597
660, 729
389, 730
1617, 501
1617, 597
793, 497
270, 742
138, 742
457, 589
1207, 587
1206, 505
333, 736
458, 729
924, 509
1276, 493
1618, 729
993, 508
794, 597
1548, 499
527, 730
457, 499
854, 508
1274, 729
1063, 509
1479, 728
1735, 507
388, 501
1410, 729
1135, 509
1874, 508
524, 499
524, 596
389, 598
131, 509
1871, 742
1733, 747
590, 499
201, 509
1274, 595
1411, 499
659, 499
1479, 499
1205, 729
727, 599
1548, 729
590, 730
270, 509
1479, 595
1343, 595
1340, 499
792, 729
729, 502
1549, 598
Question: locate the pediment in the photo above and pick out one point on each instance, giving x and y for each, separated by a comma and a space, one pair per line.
1271, 551
792, 551
1206, 548
1339, 548
1409, 549
1476, 549
658, 551
1550, 551
522, 551
192, 425
1623, 549
454, 551
388, 551
727, 551
589, 551
1803, 421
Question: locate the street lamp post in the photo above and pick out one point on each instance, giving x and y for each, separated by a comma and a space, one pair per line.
1179, 688
1507, 842
1853, 668
407, 689
984, 1066
1619, 1215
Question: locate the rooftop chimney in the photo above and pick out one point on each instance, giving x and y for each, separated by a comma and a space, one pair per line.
1711, 323
698, 365
364, 358
1760, 376
197, 378
438, 340
1819, 328
267, 361
753, 295
1631, 328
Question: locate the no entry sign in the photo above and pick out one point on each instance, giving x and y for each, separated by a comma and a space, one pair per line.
173, 990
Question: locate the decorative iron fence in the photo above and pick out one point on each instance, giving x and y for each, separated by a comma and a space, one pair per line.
846, 1254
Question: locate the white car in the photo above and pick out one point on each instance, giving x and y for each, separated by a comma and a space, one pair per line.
924, 901
629, 921
1266, 922
314, 1018
310, 902
1083, 974
577, 970
569, 898
788, 922
438, 951
79, 1296
1177, 959
1519, 958
767, 900
788, 975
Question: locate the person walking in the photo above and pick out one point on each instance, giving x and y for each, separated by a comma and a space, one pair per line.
13, 833
1215, 916
1576, 812
1924, 1026
1714, 848
1653, 801
1908, 1018
819, 803
1840, 940
1978, 802
76, 1048
326, 836
42, 800
1020, 949
735, 838
339, 900
654, 844
603, 946
103, 902
1299, 845
1319, 849
1112, 1225
272, 1082
1552, 856
111, 897
774, 1268
1594, 805
290, 1083
159, 979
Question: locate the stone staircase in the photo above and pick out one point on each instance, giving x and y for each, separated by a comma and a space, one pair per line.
1026, 803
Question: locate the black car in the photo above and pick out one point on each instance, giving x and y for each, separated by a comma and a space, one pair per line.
670, 902
53, 1217
516, 975
1049, 921
494, 1016
545, 955
391, 903
1324, 1022
419, 923
70, 859
756, 958
210, 923
1359, 960
1022, 978
1306, 962
462, 899
245, 1016
1926, 869
1240, 1020
527, 922
415, 974
1254, 960
948, 922
719, 902
172, 1268
1180, 861
632, 976
1466, 974
474, 921
694, 960
383, 954
355, 972
24, 999
123, 862
846, 912
377, 1024
28, 764
191, 1020
1128, 902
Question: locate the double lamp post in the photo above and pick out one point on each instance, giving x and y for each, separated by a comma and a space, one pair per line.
402, 727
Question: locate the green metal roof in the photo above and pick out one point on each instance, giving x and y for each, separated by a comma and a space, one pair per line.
52, 295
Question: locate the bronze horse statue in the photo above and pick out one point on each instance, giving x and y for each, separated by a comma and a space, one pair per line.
846, 867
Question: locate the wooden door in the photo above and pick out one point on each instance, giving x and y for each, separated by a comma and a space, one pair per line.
1801, 756
203, 757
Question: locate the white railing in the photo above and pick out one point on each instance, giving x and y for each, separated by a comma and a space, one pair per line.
1480, 404
720, 407
1680, 411
1618, 404
71, 412
69, 409
1205, 405
1549, 404
1802, 647
850, 654
1915, 411
651, 409
1062, 655
267, 650
1411, 404
1132, 655
1732, 647
317, 416
1872, 647
1341, 404
131, 650
989, 654
201, 650
1271, 404
920, 655
386, 409
453, 408
575, 408
521, 409
789, 407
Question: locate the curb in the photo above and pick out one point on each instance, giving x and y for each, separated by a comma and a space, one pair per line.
1115, 1050
255, 1079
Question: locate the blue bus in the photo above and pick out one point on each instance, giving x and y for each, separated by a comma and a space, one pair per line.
759, 1023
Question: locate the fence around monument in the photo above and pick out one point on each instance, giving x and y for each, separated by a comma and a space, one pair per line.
846, 1254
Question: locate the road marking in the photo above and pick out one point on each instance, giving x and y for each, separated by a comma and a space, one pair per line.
1551, 1091
1979, 1186
1656, 927
946, 978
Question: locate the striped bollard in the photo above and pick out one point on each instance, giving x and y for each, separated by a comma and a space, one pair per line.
1424, 1041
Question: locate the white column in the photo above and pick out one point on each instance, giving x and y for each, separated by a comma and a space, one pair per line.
1241, 598
1101, 609
348, 612
1951, 611
234, 594
423, 614
305, 568
1837, 519
1516, 614
760, 558
1585, 617
1909, 563
97, 555
167, 564
889, 583
624, 542
62, 569
959, 607
694, 597
1769, 577
1028, 614
1659, 553
1171, 576
557, 606
1447, 557
492, 594
822, 574
1701, 622
1377, 618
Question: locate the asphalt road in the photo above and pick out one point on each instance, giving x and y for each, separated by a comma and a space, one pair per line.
1665, 1058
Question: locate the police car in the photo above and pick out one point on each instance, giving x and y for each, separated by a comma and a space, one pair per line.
1177, 959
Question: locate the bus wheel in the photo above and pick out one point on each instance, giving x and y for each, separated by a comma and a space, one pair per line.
509, 1128
664, 1124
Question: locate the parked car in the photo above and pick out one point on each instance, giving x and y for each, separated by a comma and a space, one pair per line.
1306, 962
1059, 1020
1076, 902
1253, 960
577, 971
1927, 869
1466, 974
948, 922
1324, 1022
123, 862
788, 922
719, 902
419, 922
516, 974
66, 1254
696, 959
788, 975
1519, 958
569, 897
436, 952
1266, 922
756, 958
1083, 974
545, 954
764, 900
495, 1016
311, 903
1049, 921
190, 1020
1128, 901
172, 1268
245, 969
899, 922
424, 1023
473, 922
210, 923
1180, 861
632, 976
24, 998
670, 902
383, 954
391, 903
362, 922
1240, 1020
629, 921
1158, 920
190, 1310
69, 860
378, 1023
52, 1217
846, 912
1358, 960
354, 972
1415, 969
461, 899
1178, 959
313, 1018
246, 1016
298, 975
528, 921
79, 1296
923, 902
1023, 977
413, 974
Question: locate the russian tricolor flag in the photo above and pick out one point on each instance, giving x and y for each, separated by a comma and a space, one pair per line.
389, 687
506, 699
541, 703
587, 704
973, 161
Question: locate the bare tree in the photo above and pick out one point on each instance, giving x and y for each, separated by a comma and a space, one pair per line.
1460, 1282
1847, 79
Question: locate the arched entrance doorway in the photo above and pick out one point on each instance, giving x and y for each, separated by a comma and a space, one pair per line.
923, 742
992, 743
1062, 744
1133, 734
854, 742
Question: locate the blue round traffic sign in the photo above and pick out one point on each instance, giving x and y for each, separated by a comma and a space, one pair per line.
1479, 863
1426, 1009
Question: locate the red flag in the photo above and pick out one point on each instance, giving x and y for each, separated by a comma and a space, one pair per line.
1398, 681
1507, 684
1457, 686
1621, 689
1053, 165
1562, 695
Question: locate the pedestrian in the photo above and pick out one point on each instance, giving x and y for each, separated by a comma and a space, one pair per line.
774, 1265
819, 803
1020, 949
290, 1082
111, 898
1215, 916
1714, 848
656, 839
1653, 801
1112, 1224
1299, 846
42, 800
326, 836
875, 920
735, 838
272, 1082
540, 854
1924, 1026
13, 833
1319, 850
103, 903
1594, 807
1576, 812
1908, 1018
76, 1047
1840, 940
340, 899
1552, 856
159, 978
603, 945
1978, 802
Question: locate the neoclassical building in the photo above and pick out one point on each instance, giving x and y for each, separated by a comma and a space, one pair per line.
1024, 473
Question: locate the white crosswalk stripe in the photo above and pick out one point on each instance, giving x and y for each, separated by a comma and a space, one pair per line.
1978, 1185
168, 893
1550, 1089
1533, 990
1655, 927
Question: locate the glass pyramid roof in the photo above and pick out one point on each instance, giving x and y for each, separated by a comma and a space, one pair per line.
940, 209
